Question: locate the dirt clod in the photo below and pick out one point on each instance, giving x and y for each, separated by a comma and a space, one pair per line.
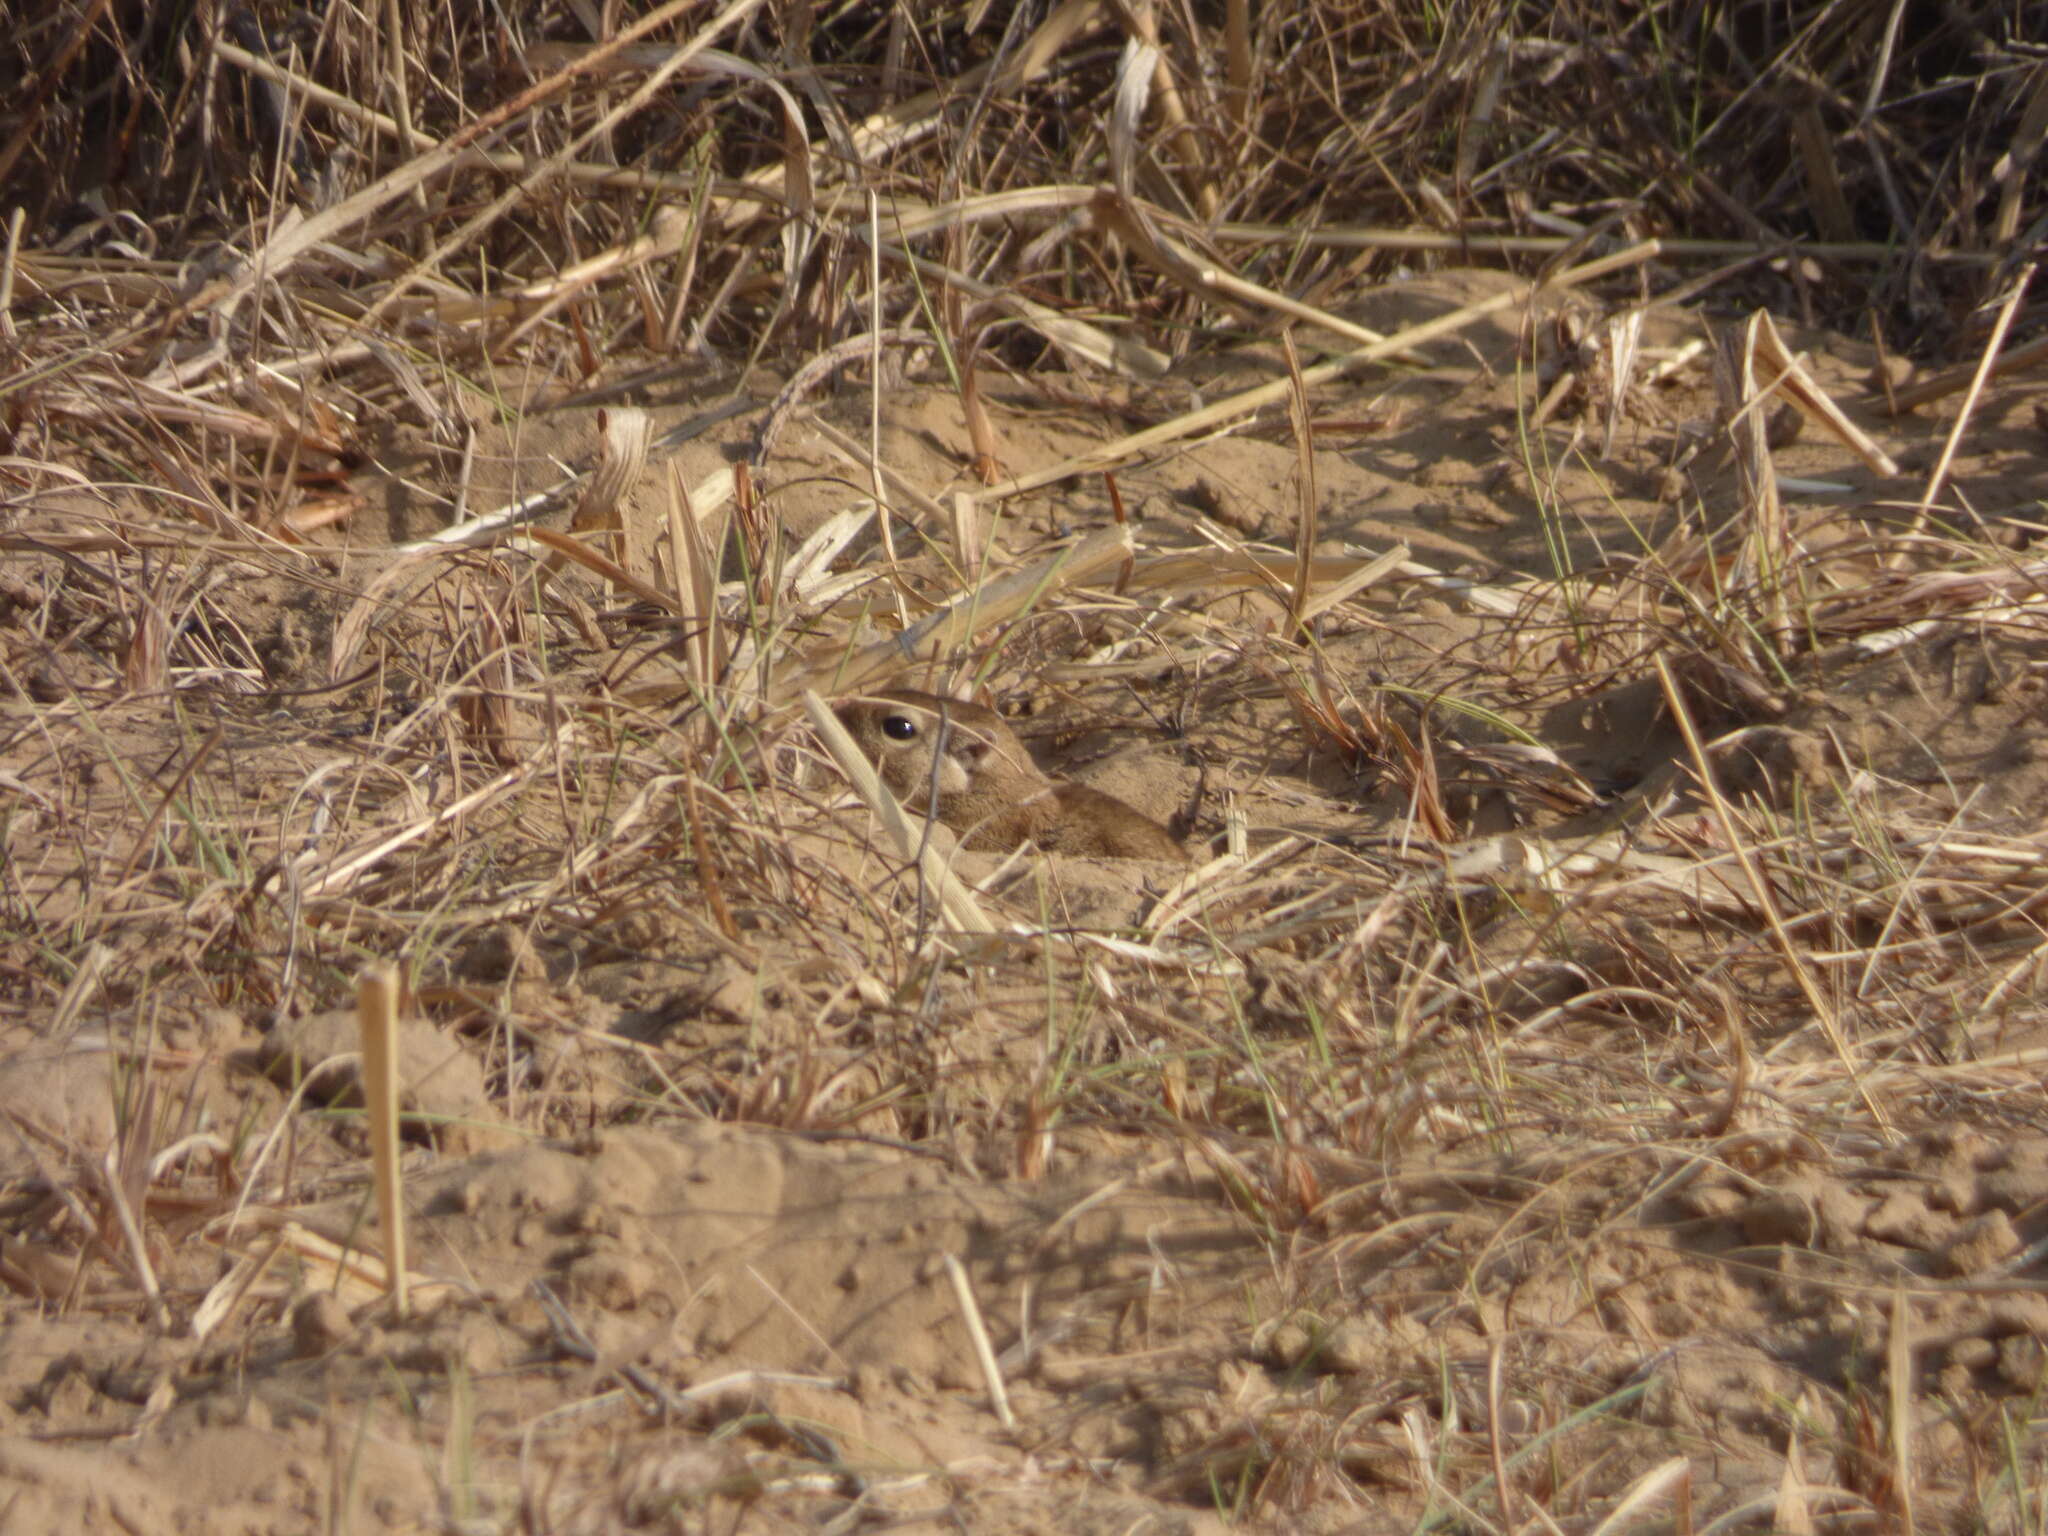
320, 1323
1983, 1244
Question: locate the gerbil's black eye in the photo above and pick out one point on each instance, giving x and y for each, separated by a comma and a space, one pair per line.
899, 727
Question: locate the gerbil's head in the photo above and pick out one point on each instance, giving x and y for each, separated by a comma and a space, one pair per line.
902, 730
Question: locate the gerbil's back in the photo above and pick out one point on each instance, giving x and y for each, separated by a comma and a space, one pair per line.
1088, 821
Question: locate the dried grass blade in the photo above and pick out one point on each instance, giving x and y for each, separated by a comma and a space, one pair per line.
1641, 1493
955, 900
1802, 974
1108, 455
316, 94
1348, 587
1800, 387
1816, 147
1899, 1382
1965, 375
981, 431
1503, 1488
1121, 354
1304, 486
346, 868
1624, 350
698, 570
1985, 365
1766, 549
1233, 568
377, 1029
1792, 1513
708, 876
668, 231
279, 253
993, 602
1188, 143
85, 981
622, 459
554, 165
1127, 110
359, 1276
379, 594
1471, 243
124, 1174
2019, 159
281, 436
562, 547
738, 197
1416, 764
882, 136
912, 220
964, 522
1238, 63
808, 574
851, 452
1233, 286
1130, 220
226, 1293
44, 80
977, 1334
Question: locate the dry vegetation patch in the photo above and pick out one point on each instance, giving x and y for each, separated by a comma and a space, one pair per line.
1460, 470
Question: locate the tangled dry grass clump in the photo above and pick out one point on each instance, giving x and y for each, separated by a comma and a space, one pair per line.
1589, 1075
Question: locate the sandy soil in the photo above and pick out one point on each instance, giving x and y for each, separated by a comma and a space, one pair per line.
690, 1206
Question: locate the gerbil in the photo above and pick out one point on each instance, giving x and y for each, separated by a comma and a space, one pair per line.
988, 788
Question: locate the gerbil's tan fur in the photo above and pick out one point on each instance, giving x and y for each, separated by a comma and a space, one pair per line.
989, 789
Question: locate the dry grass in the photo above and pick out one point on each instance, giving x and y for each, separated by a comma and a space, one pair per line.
249, 745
